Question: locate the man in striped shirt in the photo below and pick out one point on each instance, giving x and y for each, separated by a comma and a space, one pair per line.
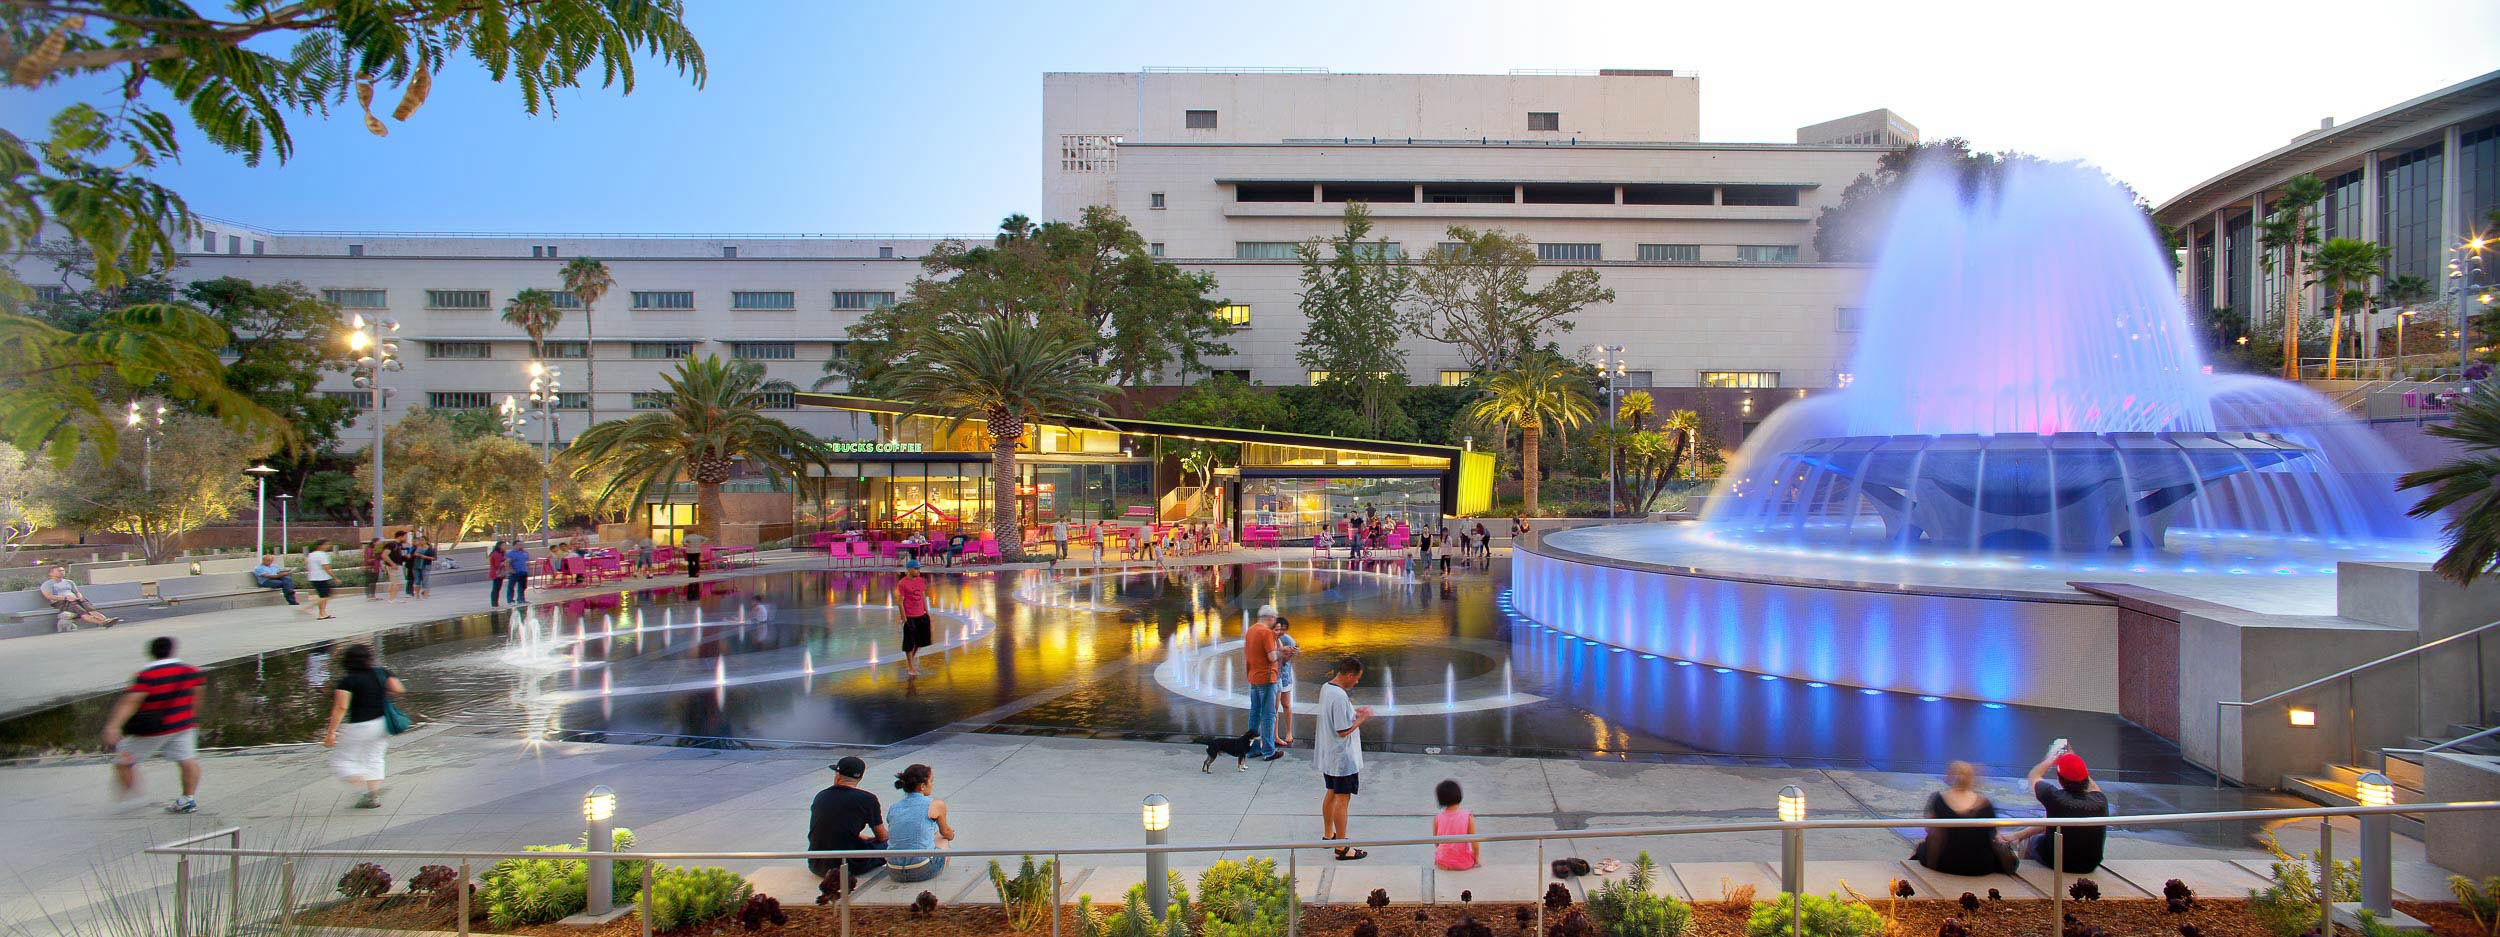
157, 717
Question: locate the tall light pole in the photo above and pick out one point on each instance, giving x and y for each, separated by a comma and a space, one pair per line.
260, 511
151, 427
545, 382
2465, 268
1610, 369
284, 501
376, 353
515, 417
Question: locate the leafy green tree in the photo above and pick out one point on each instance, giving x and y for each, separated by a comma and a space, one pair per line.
63, 388
1225, 400
713, 419
2343, 264
2466, 488
2290, 238
1473, 292
336, 495
1351, 288
1543, 391
450, 480
193, 478
285, 339
589, 281
534, 312
1005, 372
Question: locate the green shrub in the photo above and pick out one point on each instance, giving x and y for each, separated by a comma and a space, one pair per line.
2287, 908
1823, 917
1026, 896
519, 892
2482, 903
1135, 919
1244, 899
1628, 908
683, 897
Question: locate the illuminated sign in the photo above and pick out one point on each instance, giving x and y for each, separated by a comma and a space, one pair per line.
873, 446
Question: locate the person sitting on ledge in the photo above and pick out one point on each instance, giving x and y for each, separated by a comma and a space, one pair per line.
270, 575
63, 595
2071, 794
838, 816
1963, 850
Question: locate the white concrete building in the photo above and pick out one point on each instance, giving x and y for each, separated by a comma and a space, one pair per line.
1708, 246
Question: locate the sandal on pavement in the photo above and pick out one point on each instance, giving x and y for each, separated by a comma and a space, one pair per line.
1349, 854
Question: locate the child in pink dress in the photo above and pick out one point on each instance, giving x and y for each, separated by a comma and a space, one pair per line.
1453, 820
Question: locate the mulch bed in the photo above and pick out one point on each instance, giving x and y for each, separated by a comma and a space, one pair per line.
1916, 918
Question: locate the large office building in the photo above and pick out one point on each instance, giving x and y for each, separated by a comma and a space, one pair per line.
2420, 177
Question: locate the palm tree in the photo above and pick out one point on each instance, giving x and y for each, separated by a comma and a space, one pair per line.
1686, 425
2344, 264
713, 418
2403, 293
534, 311
1532, 395
587, 279
2288, 231
2467, 487
1006, 371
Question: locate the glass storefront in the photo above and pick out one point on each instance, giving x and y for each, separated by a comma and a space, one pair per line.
950, 496
1299, 507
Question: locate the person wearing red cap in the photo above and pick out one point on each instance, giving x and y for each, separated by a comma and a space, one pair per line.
2071, 794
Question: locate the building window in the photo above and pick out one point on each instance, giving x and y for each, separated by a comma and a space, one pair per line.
2409, 207
663, 350
234, 244
360, 399
765, 299
1155, 201
1545, 120
459, 399
1087, 152
1759, 196
467, 350
1845, 318
1580, 253
1198, 120
764, 351
457, 299
1266, 250
1316, 377
256, 247
1767, 253
538, 252
50, 294
1154, 249
777, 399
1373, 250
885, 253
572, 400
1453, 250
551, 251
355, 250
729, 252
1670, 252
1238, 374
665, 300
1234, 314
1451, 378
564, 299
848, 299
1745, 379
650, 400
356, 299
564, 349
1633, 379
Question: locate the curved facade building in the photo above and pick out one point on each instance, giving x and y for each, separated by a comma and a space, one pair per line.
2417, 177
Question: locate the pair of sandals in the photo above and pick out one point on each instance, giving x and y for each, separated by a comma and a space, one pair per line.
1574, 867
1349, 853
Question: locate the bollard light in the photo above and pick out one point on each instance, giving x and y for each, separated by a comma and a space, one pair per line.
1158, 818
2304, 717
2374, 790
599, 804
1792, 807
599, 807
1792, 804
1158, 813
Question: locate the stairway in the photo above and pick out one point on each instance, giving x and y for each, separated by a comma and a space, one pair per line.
2337, 785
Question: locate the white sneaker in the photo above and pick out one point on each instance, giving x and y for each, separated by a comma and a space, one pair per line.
183, 805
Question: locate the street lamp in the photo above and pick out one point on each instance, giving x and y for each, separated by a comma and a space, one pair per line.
151, 427
1610, 369
1158, 822
284, 501
546, 382
2465, 267
377, 353
1793, 856
260, 511
599, 808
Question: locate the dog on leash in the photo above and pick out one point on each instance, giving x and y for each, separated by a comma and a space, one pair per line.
1238, 747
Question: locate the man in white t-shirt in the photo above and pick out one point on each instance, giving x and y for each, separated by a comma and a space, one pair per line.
1059, 537
1337, 748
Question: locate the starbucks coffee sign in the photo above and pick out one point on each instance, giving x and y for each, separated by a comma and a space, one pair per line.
874, 446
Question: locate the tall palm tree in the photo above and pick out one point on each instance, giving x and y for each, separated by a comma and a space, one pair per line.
2468, 486
1686, 425
1006, 372
2344, 264
588, 280
2288, 231
534, 311
1538, 392
713, 419
2402, 293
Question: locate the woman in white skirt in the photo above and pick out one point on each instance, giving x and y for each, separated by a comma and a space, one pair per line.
356, 737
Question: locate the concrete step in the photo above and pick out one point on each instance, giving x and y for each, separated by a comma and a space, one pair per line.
2339, 793
2350, 777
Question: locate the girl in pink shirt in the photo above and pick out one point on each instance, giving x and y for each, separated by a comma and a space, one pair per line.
1453, 820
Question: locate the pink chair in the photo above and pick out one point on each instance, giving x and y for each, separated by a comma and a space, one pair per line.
608, 567
888, 550
861, 552
988, 552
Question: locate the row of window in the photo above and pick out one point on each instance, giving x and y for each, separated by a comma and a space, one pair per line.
751, 351
1546, 251
487, 400
645, 300
1518, 193
1200, 119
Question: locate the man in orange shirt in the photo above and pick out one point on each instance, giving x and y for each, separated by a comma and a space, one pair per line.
1258, 656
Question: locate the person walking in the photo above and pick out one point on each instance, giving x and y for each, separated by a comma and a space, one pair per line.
912, 593
358, 736
837, 817
157, 717
1059, 537
60, 592
270, 575
372, 562
916, 822
317, 571
495, 567
516, 570
643, 554
694, 544
1337, 748
1096, 536
421, 556
1258, 658
1286, 651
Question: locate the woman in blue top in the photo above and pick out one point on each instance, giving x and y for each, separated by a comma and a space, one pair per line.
916, 822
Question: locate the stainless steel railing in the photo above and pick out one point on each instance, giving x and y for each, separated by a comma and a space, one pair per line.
2352, 737
184, 850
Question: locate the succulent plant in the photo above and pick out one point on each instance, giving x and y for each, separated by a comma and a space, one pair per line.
2084, 889
2178, 897
1575, 924
365, 880
1467, 927
1557, 897
2190, 930
760, 910
1465, 896
1994, 896
1952, 927
1379, 899
1970, 902
1364, 928
924, 904
1901, 888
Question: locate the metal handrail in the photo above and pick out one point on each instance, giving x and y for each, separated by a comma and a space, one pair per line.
2443, 746
2351, 729
1794, 828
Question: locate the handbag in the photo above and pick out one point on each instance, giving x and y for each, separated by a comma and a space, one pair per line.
394, 721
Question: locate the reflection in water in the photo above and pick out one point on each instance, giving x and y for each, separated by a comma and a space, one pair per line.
808, 658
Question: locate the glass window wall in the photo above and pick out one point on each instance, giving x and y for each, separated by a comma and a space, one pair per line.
1300, 507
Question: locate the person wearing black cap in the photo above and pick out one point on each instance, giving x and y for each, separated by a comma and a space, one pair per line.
838, 816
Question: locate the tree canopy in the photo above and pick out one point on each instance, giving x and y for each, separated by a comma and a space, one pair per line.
191, 478
1474, 293
1351, 288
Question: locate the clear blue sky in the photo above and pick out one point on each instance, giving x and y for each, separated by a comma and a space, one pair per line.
925, 118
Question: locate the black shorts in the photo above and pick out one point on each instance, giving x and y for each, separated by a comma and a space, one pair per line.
915, 633
1347, 784
322, 587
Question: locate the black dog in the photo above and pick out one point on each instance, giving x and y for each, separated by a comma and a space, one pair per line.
1239, 748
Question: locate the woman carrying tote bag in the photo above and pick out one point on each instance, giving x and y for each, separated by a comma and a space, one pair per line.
362, 721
